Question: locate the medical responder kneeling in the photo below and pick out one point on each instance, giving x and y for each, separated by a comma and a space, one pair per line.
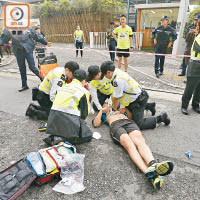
46, 93
70, 108
100, 89
129, 94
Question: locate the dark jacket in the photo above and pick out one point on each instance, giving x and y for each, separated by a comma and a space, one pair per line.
164, 36
189, 41
24, 40
191, 26
110, 38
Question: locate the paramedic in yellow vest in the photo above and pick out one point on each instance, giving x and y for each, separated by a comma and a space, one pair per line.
70, 108
46, 93
124, 37
100, 90
129, 94
193, 77
79, 40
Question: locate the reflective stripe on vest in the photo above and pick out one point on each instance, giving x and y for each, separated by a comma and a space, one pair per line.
46, 84
195, 50
103, 86
133, 85
68, 97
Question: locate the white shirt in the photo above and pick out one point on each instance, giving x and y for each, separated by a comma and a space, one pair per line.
93, 93
121, 86
55, 85
95, 100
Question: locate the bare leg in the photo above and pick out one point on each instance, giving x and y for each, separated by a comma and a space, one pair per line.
127, 143
125, 64
119, 62
144, 150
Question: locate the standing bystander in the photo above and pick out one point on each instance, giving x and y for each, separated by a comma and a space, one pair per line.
23, 47
193, 78
189, 39
124, 37
79, 40
163, 37
111, 41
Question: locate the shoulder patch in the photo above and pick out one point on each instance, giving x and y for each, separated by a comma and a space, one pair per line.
115, 84
60, 83
62, 77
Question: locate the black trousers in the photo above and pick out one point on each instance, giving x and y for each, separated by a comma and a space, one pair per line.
184, 66
112, 46
102, 97
21, 56
79, 45
137, 109
192, 89
42, 111
159, 60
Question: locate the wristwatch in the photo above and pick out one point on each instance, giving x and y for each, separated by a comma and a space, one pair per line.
131, 47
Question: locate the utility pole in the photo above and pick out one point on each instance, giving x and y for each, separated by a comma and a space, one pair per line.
128, 5
179, 44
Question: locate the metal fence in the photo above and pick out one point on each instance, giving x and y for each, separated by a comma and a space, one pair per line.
98, 40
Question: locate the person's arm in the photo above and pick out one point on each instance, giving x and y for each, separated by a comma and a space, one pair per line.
131, 39
154, 36
173, 37
97, 121
115, 102
173, 34
56, 83
118, 92
5, 37
42, 33
114, 34
74, 36
83, 38
38, 38
95, 100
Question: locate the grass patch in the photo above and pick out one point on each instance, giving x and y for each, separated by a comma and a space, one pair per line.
148, 50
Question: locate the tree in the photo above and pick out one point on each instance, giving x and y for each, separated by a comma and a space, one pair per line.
193, 13
50, 8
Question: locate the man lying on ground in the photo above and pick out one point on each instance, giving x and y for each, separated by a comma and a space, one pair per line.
126, 132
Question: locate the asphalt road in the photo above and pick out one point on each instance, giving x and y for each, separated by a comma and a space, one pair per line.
109, 173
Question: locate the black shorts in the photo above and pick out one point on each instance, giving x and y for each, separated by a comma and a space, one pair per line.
122, 126
126, 55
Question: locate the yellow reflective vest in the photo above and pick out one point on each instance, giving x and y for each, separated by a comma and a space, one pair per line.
55, 78
195, 50
68, 97
104, 86
127, 97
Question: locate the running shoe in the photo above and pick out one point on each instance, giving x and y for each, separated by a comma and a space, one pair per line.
157, 182
42, 127
160, 168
